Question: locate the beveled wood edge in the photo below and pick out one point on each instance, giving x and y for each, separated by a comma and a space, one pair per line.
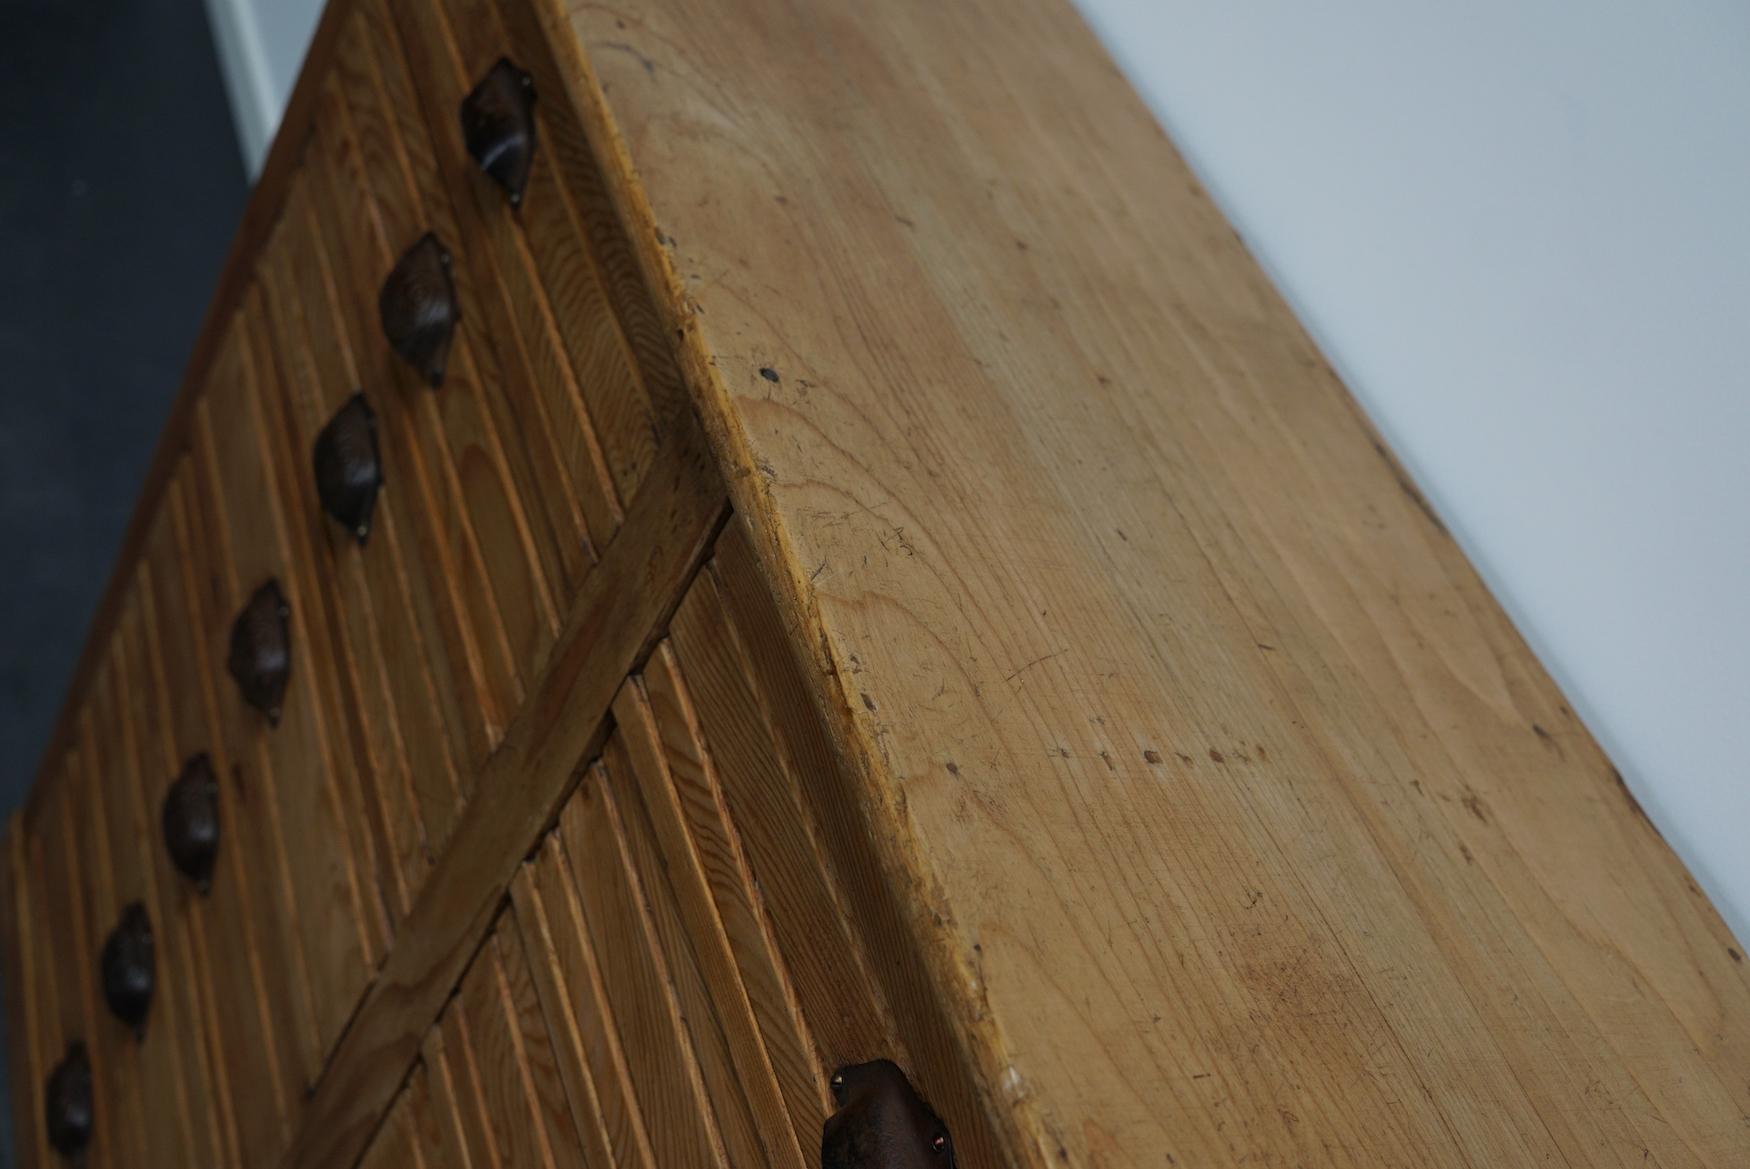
236, 275
20, 1052
611, 627
1014, 1118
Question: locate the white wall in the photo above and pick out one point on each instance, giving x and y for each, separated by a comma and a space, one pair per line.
261, 46
1521, 231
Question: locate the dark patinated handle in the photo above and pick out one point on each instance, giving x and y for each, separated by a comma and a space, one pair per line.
498, 126
348, 470
191, 821
67, 1102
261, 650
882, 1123
419, 310
128, 967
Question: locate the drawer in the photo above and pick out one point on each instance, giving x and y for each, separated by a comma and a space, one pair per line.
239, 968
701, 958
157, 1066
299, 792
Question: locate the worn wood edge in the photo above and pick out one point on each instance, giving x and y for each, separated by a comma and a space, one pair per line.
1019, 1128
20, 1051
236, 275
611, 627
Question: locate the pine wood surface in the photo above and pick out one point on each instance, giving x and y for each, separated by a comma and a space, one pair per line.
1082, 707
1237, 822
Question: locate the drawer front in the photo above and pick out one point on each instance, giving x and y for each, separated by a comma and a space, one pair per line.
685, 957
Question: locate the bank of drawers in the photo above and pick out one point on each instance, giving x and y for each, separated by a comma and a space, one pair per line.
686, 958
680, 966
411, 649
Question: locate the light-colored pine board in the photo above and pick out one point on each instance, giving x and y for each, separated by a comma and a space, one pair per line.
719, 1069
660, 1060
437, 1114
31, 1018
299, 772
567, 978
541, 46
556, 1128
373, 838
774, 671
609, 630
186, 1010
780, 1069
1229, 816
539, 385
146, 1069
252, 998
819, 948
398, 584
364, 223
352, 681
61, 881
524, 1117
451, 48
374, 79
505, 514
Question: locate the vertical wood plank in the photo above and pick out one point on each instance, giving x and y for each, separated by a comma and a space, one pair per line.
725, 1088
568, 979
148, 1068
363, 235
354, 661
257, 1060
505, 514
782, 850
538, 385
66, 958
398, 589
663, 1069
778, 1065
187, 1007
543, 261
302, 811
33, 1016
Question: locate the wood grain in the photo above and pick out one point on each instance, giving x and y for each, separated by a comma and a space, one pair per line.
148, 1067
1232, 819
187, 1010
61, 886
608, 632
567, 977
719, 901
306, 799
541, 387
661, 1062
251, 998
503, 516
324, 357
27, 1014
720, 1071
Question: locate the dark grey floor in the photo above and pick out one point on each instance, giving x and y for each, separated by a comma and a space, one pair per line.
120, 184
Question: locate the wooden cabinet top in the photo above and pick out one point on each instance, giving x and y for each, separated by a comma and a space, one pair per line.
1242, 825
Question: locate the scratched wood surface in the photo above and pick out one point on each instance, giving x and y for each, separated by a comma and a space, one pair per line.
1237, 822
1082, 708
